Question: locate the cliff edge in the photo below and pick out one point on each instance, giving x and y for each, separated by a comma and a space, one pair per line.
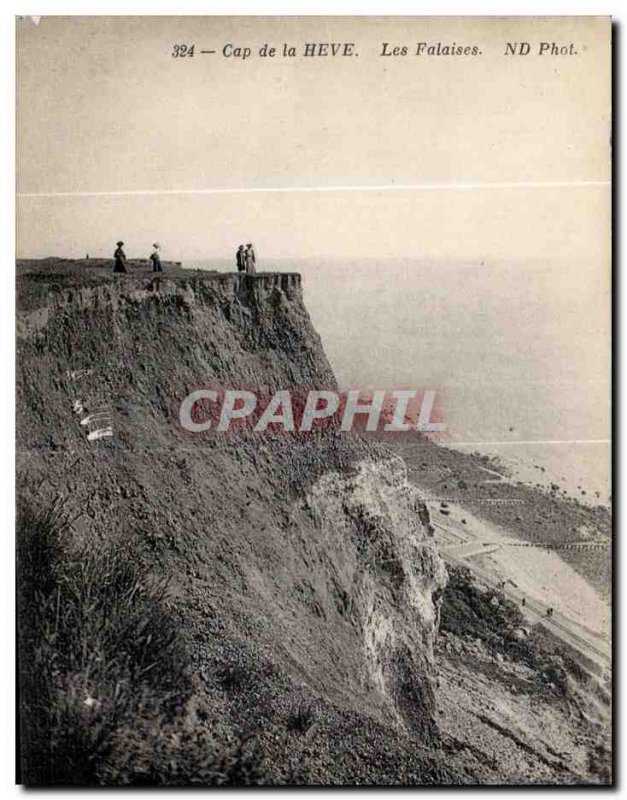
296, 574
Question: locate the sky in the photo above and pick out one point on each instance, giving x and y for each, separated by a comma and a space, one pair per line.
450, 214
103, 107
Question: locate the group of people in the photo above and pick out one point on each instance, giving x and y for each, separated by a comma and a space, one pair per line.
120, 258
245, 259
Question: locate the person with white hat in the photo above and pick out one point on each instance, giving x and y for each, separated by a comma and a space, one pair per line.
249, 259
155, 257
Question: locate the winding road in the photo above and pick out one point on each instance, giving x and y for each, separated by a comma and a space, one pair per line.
593, 646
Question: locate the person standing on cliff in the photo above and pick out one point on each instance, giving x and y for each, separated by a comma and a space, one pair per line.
240, 259
120, 258
155, 257
249, 255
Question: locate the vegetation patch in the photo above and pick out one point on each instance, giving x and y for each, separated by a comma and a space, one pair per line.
104, 689
471, 612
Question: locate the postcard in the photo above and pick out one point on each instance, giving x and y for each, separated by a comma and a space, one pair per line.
313, 401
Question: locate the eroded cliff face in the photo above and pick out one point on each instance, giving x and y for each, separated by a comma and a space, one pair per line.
389, 572
309, 556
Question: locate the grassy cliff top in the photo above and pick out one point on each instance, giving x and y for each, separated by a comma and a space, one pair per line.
37, 279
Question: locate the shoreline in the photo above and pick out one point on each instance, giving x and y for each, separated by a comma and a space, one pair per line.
528, 513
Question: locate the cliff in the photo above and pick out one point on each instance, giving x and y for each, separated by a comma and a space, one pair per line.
301, 573
251, 608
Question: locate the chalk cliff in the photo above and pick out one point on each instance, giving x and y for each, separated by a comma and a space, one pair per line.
301, 569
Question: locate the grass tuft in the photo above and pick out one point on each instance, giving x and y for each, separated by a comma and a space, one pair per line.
104, 689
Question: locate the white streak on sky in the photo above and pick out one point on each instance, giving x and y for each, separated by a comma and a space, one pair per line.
286, 189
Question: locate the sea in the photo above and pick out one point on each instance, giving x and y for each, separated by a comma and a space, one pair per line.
519, 354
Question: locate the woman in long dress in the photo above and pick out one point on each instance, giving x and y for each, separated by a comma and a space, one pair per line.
120, 258
249, 256
155, 257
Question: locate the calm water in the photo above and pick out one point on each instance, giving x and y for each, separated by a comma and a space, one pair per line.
519, 353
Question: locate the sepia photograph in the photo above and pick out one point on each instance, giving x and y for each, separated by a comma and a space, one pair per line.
313, 401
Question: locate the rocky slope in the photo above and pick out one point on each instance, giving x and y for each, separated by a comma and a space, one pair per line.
292, 581
307, 552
